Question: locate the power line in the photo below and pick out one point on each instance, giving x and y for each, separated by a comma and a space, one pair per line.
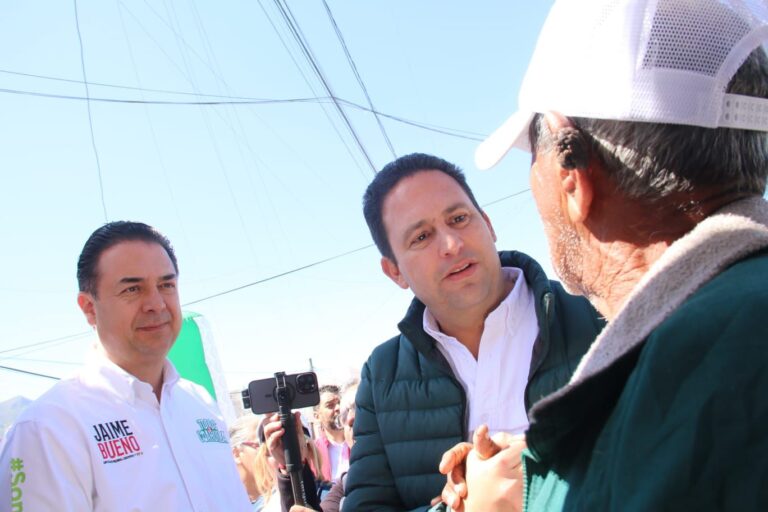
90, 117
238, 288
254, 283
51, 361
279, 275
309, 85
507, 197
69, 337
241, 99
234, 100
298, 35
358, 77
19, 370
451, 132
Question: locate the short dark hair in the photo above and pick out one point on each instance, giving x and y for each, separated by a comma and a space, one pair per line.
109, 235
387, 178
328, 388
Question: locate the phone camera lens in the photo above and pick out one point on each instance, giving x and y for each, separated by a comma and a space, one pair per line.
306, 383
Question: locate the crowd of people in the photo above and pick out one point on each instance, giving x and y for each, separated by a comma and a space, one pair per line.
636, 382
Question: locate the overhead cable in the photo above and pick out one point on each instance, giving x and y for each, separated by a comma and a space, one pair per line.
452, 132
298, 35
270, 278
69, 337
260, 281
90, 116
358, 77
35, 374
311, 88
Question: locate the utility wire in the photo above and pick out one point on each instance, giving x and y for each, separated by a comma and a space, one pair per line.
90, 117
358, 77
46, 342
238, 288
293, 25
507, 197
452, 132
248, 285
207, 95
309, 86
10, 369
246, 100
279, 275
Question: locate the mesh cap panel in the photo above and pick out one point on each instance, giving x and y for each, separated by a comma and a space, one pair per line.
693, 36
663, 61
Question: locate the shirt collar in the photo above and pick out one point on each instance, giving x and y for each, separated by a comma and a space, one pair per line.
100, 372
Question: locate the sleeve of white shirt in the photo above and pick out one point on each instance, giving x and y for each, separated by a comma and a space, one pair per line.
44, 469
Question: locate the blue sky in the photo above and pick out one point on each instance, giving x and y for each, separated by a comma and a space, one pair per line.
244, 191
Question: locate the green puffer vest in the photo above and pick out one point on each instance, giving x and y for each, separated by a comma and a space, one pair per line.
411, 408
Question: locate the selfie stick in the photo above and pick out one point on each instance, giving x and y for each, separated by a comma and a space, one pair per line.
290, 441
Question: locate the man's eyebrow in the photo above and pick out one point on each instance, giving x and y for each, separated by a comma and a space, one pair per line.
413, 227
455, 206
416, 225
128, 280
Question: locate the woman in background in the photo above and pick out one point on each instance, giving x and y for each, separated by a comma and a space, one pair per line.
243, 436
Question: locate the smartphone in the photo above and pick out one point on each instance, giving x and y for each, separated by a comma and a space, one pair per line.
261, 395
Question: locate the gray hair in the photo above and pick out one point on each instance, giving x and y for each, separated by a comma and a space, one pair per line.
243, 427
353, 382
350, 385
651, 161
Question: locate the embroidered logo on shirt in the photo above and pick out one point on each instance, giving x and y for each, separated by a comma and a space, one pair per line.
17, 465
116, 441
209, 432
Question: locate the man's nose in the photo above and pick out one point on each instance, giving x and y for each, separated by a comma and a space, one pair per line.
153, 300
450, 243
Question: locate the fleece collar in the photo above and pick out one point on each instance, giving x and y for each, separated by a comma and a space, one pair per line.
727, 236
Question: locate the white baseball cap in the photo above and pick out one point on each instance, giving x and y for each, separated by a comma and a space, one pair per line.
664, 61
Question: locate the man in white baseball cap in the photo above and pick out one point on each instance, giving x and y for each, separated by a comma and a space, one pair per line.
647, 124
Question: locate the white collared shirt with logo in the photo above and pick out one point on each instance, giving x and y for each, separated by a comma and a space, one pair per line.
100, 441
495, 383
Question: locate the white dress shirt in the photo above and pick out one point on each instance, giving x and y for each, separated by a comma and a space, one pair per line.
101, 441
495, 383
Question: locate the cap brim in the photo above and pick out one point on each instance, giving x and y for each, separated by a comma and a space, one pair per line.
512, 134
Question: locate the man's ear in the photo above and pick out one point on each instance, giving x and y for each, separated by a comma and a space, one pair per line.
87, 305
578, 187
575, 174
490, 225
392, 271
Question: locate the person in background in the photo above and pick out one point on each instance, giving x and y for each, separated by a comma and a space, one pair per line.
333, 499
244, 439
127, 432
265, 471
334, 452
347, 410
271, 478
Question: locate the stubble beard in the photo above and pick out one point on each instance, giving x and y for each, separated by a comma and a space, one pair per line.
567, 256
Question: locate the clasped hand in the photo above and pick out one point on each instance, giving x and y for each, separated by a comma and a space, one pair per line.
485, 475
